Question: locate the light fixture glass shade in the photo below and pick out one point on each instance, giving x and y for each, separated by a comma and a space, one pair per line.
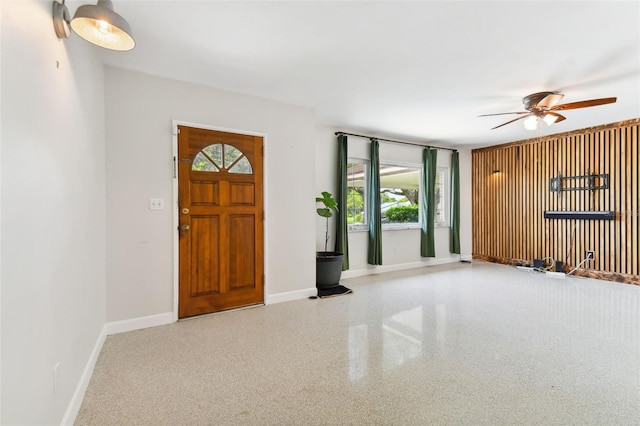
102, 26
531, 123
550, 119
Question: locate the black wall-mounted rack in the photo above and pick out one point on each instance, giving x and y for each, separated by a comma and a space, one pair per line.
589, 182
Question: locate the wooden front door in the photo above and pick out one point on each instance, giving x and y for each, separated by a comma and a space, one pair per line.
220, 206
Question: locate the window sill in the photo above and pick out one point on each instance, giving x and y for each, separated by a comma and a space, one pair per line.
398, 227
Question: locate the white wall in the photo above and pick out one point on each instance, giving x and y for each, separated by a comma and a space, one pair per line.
140, 109
53, 220
401, 248
466, 242
326, 154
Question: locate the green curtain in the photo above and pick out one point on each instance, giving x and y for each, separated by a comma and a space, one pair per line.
375, 221
429, 165
342, 240
454, 230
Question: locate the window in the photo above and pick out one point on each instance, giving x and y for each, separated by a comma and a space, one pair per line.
217, 157
399, 194
356, 200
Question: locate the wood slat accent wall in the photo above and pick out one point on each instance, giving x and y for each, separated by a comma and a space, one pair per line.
511, 191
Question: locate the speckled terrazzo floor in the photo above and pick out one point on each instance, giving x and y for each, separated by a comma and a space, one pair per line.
468, 344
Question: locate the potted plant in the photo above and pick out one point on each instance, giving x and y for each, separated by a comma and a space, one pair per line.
328, 263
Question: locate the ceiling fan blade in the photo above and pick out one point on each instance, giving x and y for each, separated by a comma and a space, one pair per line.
504, 113
550, 100
583, 104
511, 121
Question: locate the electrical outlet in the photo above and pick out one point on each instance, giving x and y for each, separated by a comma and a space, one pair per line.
589, 254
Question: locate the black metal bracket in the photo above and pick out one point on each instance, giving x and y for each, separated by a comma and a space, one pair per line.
589, 182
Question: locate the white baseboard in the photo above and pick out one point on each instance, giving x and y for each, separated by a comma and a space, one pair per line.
381, 269
75, 403
290, 295
132, 324
466, 257
109, 328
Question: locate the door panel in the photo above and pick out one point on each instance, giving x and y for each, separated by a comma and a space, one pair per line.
241, 270
205, 255
241, 194
221, 254
204, 193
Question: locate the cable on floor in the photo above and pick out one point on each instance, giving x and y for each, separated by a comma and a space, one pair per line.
579, 265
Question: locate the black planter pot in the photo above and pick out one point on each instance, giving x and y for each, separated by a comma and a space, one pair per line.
328, 268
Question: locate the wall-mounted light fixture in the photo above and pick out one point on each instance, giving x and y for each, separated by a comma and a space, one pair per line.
98, 24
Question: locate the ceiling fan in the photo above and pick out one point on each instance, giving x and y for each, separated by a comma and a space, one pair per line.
544, 105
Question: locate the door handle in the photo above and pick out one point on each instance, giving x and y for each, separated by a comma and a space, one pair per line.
185, 227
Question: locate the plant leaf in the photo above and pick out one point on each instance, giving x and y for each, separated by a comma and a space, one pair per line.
324, 212
329, 204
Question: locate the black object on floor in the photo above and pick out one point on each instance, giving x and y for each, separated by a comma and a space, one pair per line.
337, 290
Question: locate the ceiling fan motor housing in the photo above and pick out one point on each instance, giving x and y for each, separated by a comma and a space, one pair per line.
531, 101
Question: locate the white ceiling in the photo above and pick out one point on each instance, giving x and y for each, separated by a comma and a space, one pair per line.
419, 70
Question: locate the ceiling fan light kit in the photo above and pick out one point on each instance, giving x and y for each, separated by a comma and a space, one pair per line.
543, 105
550, 119
531, 122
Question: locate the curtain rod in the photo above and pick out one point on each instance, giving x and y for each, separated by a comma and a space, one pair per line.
390, 140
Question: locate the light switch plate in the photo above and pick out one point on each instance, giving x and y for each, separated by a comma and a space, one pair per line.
156, 203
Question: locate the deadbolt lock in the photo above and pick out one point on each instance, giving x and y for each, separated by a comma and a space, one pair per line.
185, 211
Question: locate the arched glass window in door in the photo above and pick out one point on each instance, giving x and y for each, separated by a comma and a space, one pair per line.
219, 157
